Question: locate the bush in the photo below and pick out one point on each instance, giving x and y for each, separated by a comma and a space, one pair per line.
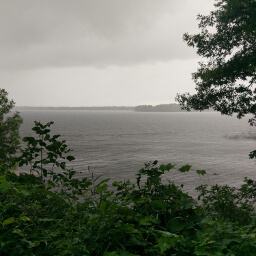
61, 215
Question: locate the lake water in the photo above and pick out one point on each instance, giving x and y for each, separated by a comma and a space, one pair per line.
118, 143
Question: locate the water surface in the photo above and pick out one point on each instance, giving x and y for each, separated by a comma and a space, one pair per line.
118, 143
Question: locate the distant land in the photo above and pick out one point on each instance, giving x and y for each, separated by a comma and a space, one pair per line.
141, 108
163, 108
159, 108
18, 108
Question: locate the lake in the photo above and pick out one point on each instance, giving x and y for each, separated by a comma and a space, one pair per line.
118, 143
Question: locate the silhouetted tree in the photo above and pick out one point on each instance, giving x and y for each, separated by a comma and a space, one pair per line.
226, 80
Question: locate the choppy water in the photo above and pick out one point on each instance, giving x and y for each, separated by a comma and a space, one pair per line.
120, 142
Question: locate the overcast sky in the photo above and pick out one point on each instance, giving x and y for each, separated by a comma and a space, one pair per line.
97, 52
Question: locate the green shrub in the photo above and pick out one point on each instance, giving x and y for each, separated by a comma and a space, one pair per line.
58, 214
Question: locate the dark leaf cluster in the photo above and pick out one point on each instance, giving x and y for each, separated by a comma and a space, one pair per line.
226, 80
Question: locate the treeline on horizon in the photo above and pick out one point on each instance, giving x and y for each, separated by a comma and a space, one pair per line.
173, 107
74, 108
159, 108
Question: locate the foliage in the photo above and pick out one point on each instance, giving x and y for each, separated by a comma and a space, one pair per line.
225, 238
63, 215
228, 203
9, 131
45, 153
226, 81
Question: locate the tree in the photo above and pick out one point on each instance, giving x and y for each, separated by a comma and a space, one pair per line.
9, 132
226, 80
44, 153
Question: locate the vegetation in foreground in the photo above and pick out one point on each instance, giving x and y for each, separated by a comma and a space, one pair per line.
57, 214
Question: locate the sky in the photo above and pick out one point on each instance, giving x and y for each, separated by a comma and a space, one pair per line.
97, 52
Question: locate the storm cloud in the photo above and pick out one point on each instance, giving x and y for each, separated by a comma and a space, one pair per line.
36, 33
97, 52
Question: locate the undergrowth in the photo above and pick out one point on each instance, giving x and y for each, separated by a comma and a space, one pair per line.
57, 214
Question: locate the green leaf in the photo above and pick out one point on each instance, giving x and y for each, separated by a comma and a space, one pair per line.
45, 131
8, 221
185, 168
5, 185
208, 221
159, 204
128, 228
51, 184
188, 203
101, 188
46, 220
19, 232
103, 205
47, 137
24, 218
162, 167
30, 140
2, 178
166, 243
94, 218
32, 244
148, 221
176, 224
125, 253
70, 158
252, 154
154, 180
104, 181
24, 192
167, 234
155, 162
169, 167
201, 172
114, 253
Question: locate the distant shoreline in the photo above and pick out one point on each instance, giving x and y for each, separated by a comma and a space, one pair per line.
18, 108
140, 108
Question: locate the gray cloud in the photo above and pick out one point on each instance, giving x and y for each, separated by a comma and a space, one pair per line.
45, 33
